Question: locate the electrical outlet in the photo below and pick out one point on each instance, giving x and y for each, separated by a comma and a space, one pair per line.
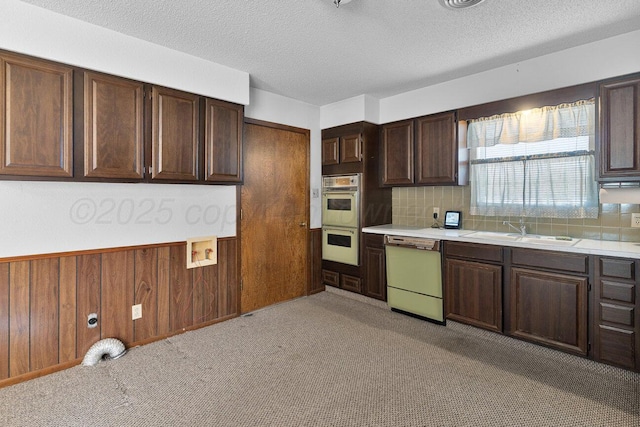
136, 311
92, 320
436, 213
635, 220
315, 193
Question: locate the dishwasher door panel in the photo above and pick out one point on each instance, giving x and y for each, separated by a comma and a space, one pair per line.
414, 270
411, 302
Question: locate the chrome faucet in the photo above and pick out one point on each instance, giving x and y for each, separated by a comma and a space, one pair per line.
522, 229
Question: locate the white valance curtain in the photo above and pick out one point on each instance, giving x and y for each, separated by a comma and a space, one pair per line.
535, 125
535, 163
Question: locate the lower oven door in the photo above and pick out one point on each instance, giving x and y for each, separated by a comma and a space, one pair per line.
340, 245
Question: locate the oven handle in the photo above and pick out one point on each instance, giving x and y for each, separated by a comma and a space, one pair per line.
340, 230
350, 193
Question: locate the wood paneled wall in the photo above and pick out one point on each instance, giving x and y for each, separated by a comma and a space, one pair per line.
45, 302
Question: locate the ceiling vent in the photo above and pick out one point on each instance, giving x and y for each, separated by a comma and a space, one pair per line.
459, 4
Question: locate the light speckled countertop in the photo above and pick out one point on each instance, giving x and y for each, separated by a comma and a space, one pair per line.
584, 246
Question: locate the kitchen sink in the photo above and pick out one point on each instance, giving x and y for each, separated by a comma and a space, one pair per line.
495, 235
534, 239
548, 240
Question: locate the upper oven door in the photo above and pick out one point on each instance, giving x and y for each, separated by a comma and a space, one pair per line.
340, 208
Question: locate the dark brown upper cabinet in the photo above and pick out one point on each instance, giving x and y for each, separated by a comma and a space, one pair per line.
175, 126
397, 153
436, 149
619, 132
422, 151
36, 118
113, 141
342, 149
223, 141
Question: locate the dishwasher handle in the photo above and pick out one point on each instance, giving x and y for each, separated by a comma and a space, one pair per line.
413, 243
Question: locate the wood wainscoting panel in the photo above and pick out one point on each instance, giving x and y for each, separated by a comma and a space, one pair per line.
43, 336
19, 273
45, 301
67, 326
146, 293
205, 290
164, 326
117, 284
180, 290
88, 301
228, 281
4, 321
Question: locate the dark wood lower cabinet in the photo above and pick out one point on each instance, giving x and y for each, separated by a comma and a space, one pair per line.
375, 274
315, 254
474, 293
550, 309
473, 284
350, 283
616, 317
369, 278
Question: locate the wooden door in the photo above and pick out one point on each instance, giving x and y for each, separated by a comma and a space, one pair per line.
35, 117
275, 214
223, 141
436, 149
397, 153
113, 127
175, 135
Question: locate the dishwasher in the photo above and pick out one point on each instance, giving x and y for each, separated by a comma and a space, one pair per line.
414, 279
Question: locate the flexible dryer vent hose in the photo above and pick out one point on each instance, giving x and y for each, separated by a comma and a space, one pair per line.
108, 348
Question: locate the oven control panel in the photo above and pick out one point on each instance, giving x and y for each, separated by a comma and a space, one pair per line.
340, 182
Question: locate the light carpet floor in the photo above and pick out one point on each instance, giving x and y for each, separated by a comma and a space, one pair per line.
327, 360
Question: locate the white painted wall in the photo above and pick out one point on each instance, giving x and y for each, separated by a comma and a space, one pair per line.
359, 108
48, 217
587, 63
275, 108
39, 32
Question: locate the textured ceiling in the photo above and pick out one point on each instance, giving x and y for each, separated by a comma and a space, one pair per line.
311, 51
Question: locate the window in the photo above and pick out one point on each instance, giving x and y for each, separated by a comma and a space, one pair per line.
535, 163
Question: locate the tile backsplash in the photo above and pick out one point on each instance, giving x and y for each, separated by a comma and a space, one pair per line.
414, 206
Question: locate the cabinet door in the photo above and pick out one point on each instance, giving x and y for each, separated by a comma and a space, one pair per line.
223, 141
350, 149
474, 293
397, 153
35, 117
113, 127
436, 149
375, 282
550, 309
620, 129
331, 151
175, 122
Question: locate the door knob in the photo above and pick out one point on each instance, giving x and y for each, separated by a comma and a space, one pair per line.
303, 224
